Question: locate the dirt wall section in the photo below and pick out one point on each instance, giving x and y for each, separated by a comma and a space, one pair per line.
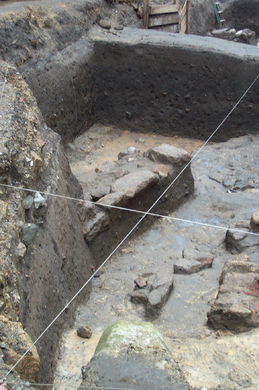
44, 258
174, 84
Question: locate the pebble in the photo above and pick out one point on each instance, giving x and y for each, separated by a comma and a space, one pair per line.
3, 209
21, 250
105, 24
29, 231
85, 332
131, 149
27, 202
141, 282
39, 201
118, 27
255, 221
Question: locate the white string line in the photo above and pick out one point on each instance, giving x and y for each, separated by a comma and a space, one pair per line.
192, 222
133, 229
57, 386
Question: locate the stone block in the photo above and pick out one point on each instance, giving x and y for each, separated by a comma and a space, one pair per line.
236, 305
169, 154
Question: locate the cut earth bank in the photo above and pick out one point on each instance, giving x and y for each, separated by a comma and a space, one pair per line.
45, 248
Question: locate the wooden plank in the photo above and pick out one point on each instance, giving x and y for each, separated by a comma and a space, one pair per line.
187, 17
146, 11
184, 18
164, 9
163, 20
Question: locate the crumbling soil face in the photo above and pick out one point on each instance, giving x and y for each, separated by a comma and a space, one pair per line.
38, 251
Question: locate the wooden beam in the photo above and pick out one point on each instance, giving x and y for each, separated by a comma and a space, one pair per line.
163, 20
184, 17
187, 16
164, 9
146, 10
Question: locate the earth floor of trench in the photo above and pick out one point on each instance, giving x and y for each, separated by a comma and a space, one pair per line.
208, 358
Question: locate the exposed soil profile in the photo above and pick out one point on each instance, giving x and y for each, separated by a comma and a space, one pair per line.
106, 116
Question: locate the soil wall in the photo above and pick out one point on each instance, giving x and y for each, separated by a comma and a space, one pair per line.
44, 258
144, 80
174, 84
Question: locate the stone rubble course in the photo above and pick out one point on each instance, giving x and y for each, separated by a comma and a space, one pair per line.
133, 354
236, 305
134, 181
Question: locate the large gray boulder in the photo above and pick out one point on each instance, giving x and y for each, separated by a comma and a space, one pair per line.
133, 355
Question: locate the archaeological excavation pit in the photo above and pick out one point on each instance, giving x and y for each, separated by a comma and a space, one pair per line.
112, 117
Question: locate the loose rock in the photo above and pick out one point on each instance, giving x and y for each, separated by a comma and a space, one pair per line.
185, 266
247, 36
39, 200
21, 250
29, 231
28, 202
169, 154
237, 242
85, 332
141, 282
225, 33
153, 290
105, 24
254, 223
97, 223
3, 209
118, 27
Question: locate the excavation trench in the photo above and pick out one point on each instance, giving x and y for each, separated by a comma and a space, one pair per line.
103, 95
136, 82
